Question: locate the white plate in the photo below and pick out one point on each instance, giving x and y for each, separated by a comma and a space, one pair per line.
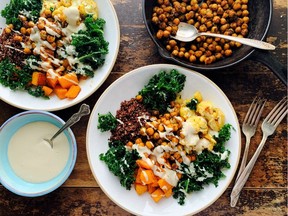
127, 87
25, 101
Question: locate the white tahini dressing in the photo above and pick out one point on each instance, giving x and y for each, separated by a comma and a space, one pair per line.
32, 158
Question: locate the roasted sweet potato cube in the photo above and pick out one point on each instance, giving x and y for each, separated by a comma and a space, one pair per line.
73, 91
138, 180
143, 164
67, 80
151, 188
60, 92
164, 185
47, 90
140, 189
52, 81
169, 192
38, 79
147, 177
157, 195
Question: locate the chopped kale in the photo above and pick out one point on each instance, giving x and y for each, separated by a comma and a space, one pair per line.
122, 163
192, 104
18, 79
90, 44
106, 122
223, 136
28, 8
161, 89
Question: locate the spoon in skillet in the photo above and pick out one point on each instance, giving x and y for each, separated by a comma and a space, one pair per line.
84, 110
187, 33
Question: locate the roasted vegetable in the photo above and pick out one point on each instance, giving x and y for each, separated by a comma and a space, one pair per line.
206, 169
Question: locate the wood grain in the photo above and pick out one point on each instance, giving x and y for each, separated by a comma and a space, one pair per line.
266, 190
92, 201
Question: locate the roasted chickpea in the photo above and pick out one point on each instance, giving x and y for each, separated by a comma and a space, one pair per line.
150, 131
50, 38
47, 13
7, 30
159, 34
18, 38
192, 58
229, 17
27, 51
31, 24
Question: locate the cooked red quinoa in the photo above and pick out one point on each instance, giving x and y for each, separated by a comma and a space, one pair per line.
13, 54
129, 125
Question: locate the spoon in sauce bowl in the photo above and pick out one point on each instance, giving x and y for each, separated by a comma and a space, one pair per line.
84, 110
187, 33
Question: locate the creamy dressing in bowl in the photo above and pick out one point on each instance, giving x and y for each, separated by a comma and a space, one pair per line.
32, 158
34, 154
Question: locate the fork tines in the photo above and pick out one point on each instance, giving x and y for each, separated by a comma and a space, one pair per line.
254, 112
278, 112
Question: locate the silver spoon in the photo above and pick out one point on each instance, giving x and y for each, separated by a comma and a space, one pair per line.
187, 32
84, 110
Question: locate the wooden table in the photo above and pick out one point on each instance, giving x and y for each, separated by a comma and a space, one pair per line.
265, 193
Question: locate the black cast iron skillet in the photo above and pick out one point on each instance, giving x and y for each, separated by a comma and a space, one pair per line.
260, 19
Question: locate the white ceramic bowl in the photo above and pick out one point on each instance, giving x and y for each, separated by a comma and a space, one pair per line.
23, 100
8, 177
127, 87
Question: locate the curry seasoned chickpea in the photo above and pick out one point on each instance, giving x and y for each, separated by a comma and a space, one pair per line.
27, 51
150, 131
50, 38
7, 30
31, 24
40, 25
149, 144
156, 136
23, 30
18, 38
217, 16
47, 13
159, 34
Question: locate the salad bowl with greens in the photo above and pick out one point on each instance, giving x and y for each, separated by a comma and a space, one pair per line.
55, 54
154, 149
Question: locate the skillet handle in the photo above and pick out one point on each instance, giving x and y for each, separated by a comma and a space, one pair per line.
272, 63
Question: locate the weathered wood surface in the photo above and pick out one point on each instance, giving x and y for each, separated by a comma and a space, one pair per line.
266, 190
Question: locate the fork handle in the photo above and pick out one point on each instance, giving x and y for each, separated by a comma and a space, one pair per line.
246, 173
244, 158
242, 167
247, 41
84, 110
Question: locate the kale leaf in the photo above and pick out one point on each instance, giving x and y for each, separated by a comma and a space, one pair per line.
161, 89
106, 122
223, 136
90, 44
28, 8
207, 168
192, 104
122, 163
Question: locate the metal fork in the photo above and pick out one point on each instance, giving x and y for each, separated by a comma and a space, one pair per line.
268, 127
249, 128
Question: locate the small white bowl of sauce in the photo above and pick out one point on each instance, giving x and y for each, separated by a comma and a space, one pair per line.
28, 165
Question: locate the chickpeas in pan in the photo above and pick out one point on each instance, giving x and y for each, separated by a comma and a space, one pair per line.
229, 17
